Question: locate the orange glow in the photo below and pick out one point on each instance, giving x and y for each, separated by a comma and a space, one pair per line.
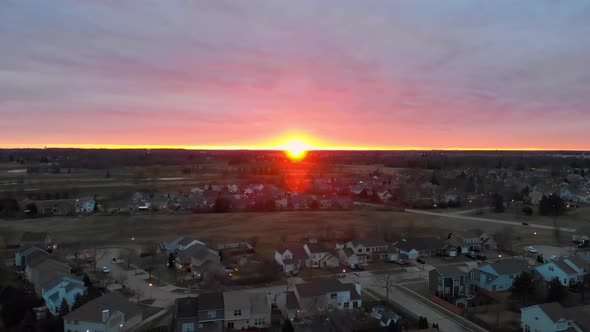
296, 149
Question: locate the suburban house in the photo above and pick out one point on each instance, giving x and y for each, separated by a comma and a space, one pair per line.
321, 295
320, 256
412, 248
350, 258
552, 317
186, 243
198, 258
569, 270
44, 270
85, 206
40, 239
371, 248
498, 276
291, 259
110, 312
61, 288
448, 282
205, 312
171, 244
23, 254
473, 239
244, 310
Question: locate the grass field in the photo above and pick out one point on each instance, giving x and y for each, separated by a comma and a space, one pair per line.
270, 229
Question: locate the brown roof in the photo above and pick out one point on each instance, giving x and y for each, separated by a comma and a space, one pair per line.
369, 242
316, 248
319, 287
210, 301
292, 303
186, 307
564, 266
92, 311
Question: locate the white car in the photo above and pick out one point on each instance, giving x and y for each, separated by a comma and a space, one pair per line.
105, 269
532, 250
553, 257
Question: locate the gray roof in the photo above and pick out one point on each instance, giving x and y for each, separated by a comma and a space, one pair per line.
319, 287
509, 266
185, 241
369, 242
186, 307
316, 248
564, 266
348, 252
449, 271
292, 302
92, 311
211, 301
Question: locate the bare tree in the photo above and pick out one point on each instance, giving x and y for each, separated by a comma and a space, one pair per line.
387, 281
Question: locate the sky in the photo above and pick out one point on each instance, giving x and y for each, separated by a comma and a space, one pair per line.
336, 74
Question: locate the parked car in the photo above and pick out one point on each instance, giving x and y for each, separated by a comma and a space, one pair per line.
525, 223
532, 250
105, 269
553, 257
482, 257
421, 260
471, 254
402, 262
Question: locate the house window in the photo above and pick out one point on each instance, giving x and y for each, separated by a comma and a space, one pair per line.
231, 325
346, 305
330, 306
512, 276
355, 304
188, 327
76, 322
360, 250
550, 268
527, 328
333, 296
211, 314
238, 312
368, 250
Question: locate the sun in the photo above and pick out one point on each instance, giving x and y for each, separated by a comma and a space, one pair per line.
296, 149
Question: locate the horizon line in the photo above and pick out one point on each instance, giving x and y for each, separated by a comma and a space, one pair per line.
266, 148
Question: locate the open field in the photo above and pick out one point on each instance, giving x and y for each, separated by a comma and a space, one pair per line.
270, 229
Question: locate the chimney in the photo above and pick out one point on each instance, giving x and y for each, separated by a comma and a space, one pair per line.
105, 315
357, 286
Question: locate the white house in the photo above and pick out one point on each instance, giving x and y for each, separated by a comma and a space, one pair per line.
291, 259
63, 287
552, 317
243, 310
569, 270
111, 312
320, 256
322, 295
371, 248
349, 258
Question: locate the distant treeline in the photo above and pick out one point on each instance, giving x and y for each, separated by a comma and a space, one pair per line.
105, 159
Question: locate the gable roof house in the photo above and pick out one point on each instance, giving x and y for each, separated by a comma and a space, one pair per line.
473, 239
321, 295
246, 310
372, 248
62, 287
24, 253
290, 259
110, 312
171, 244
498, 276
320, 256
552, 317
415, 247
350, 258
448, 282
45, 269
569, 270
199, 259
203, 313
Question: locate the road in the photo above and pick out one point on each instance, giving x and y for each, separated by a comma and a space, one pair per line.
495, 221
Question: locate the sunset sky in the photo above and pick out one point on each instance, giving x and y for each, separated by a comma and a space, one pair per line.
335, 74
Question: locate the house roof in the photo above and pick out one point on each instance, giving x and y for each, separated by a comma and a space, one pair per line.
320, 287
578, 262
509, 266
237, 300
449, 271
372, 242
347, 251
185, 241
562, 265
30, 249
186, 307
211, 301
73, 282
92, 311
316, 248
470, 233
34, 237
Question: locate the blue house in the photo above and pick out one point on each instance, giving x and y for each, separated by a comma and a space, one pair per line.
60, 288
569, 270
498, 276
552, 317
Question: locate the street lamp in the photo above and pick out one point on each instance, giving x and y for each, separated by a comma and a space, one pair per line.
534, 233
150, 285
